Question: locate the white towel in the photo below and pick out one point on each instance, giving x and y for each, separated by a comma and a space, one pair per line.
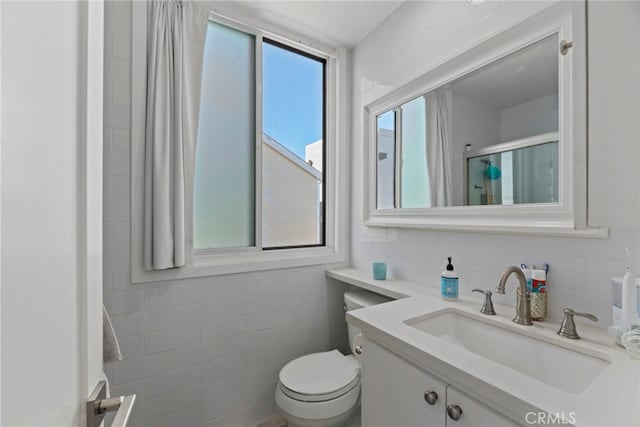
103, 377
110, 347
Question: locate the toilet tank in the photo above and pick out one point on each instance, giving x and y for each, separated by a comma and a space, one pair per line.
354, 300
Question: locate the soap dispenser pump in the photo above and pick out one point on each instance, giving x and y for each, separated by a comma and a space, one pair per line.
449, 283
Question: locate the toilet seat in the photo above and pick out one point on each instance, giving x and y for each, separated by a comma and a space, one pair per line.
319, 397
319, 390
319, 377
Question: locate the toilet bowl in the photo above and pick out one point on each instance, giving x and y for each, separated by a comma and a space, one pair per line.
323, 389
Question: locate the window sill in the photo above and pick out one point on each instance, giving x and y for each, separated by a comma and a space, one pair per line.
220, 264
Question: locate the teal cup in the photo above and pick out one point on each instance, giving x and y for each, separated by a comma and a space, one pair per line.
380, 270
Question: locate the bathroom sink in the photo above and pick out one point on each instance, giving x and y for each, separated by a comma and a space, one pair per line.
560, 367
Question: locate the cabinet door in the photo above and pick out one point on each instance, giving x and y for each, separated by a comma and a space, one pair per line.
393, 391
474, 413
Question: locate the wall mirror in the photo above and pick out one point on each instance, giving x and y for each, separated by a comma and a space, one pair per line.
488, 137
493, 139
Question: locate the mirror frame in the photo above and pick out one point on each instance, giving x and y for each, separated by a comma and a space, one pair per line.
569, 216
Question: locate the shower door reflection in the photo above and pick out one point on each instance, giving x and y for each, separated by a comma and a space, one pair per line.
518, 172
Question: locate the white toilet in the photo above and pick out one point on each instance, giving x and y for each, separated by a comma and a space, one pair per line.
323, 389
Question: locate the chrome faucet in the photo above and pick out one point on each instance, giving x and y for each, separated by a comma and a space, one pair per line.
523, 310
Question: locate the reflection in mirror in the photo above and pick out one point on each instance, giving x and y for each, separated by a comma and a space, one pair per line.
524, 171
386, 160
489, 137
414, 180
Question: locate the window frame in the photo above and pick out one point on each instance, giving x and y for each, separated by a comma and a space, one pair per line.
218, 261
324, 61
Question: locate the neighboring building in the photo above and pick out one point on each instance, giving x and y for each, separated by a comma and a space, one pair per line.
313, 154
291, 197
386, 169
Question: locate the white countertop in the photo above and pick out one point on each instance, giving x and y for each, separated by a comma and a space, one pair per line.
612, 399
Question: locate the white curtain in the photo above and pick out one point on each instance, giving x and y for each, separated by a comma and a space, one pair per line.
438, 111
176, 33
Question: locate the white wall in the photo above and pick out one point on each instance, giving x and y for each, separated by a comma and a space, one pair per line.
473, 123
418, 36
530, 118
42, 347
204, 350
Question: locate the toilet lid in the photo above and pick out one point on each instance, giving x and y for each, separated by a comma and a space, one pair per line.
319, 373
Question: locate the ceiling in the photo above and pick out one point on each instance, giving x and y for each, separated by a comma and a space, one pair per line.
342, 23
528, 74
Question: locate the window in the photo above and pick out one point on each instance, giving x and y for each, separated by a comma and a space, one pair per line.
266, 101
259, 173
224, 180
386, 160
402, 180
414, 179
292, 147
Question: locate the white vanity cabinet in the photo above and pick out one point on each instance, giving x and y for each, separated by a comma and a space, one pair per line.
393, 392
397, 393
474, 413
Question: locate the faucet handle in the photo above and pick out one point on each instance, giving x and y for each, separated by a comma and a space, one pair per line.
568, 326
571, 312
487, 305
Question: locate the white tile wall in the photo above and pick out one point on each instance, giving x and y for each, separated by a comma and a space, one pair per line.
418, 36
200, 351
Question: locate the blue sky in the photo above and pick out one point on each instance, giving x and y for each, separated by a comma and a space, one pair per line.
387, 120
292, 98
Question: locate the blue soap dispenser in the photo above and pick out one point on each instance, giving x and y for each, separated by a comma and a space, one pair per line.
449, 283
